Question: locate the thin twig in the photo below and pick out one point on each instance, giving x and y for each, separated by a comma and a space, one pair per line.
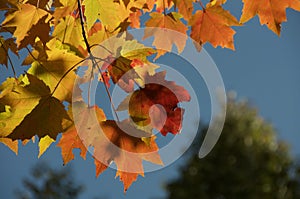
30, 53
92, 57
107, 91
201, 4
82, 28
65, 74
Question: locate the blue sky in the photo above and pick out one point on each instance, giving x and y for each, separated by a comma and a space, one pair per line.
264, 69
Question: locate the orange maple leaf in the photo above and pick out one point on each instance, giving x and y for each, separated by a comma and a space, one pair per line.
13, 145
270, 12
185, 7
123, 145
119, 142
134, 18
213, 25
70, 140
165, 35
162, 5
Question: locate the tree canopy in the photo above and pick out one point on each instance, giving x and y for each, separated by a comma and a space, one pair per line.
48, 183
247, 162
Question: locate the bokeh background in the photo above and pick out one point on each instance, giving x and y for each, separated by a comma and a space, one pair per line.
264, 69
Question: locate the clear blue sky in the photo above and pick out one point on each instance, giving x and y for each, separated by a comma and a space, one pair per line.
264, 69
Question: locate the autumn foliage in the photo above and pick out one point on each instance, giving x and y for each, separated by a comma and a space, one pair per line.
60, 37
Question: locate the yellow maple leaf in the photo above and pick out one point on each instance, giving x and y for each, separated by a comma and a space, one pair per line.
19, 96
51, 65
69, 31
50, 113
108, 12
30, 22
44, 144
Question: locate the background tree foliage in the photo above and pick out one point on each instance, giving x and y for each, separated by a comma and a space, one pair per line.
48, 183
247, 162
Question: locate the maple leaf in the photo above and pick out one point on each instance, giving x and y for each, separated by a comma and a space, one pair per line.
185, 7
50, 113
70, 138
43, 4
126, 149
30, 22
107, 11
143, 109
68, 31
213, 25
97, 34
5, 45
19, 96
119, 59
113, 14
119, 67
149, 5
162, 5
270, 12
124, 71
114, 141
26, 101
13, 145
44, 144
68, 3
52, 66
164, 38
87, 120
26, 141
138, 4
134, 19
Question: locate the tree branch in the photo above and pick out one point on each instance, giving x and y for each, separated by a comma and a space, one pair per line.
95, 64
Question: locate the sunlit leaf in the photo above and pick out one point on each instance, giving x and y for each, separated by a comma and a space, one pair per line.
271, 12
30, 22
213, 25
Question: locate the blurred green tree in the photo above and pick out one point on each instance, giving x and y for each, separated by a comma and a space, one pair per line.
248, 162
48, 183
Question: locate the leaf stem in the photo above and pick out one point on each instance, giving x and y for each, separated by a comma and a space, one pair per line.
201, 4
164, 7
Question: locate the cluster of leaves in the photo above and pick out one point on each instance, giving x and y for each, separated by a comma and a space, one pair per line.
61, 36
